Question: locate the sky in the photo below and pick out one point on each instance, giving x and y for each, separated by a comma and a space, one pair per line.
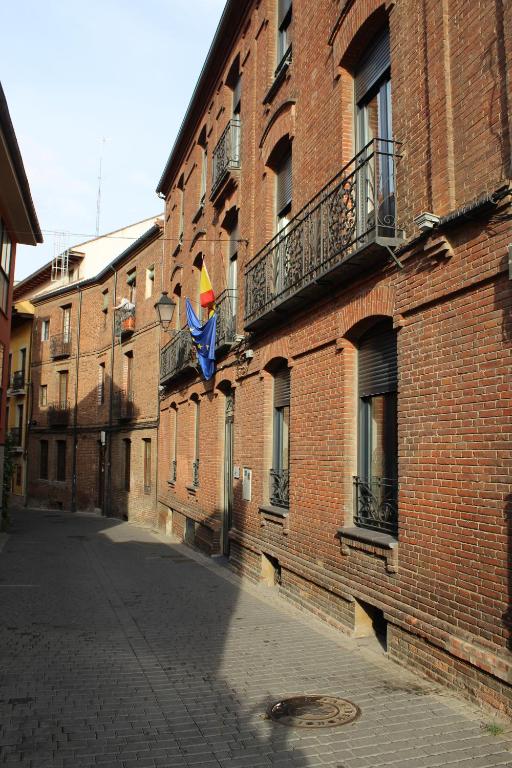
74, 73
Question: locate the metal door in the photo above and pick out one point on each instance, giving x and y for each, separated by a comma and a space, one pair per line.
228, 471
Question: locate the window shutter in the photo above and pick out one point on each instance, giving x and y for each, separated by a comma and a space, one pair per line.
284, 184
373, 67
282, 388
284, 7
377, 363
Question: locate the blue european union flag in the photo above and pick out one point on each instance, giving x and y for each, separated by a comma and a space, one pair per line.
204, 337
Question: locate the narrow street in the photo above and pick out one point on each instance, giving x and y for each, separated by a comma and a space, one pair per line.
120, 649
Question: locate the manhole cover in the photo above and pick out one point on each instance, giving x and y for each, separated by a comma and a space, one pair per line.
314, 711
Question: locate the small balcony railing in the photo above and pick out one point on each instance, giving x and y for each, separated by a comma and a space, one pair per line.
226, 155
15, 436
279, 488
226, 318
376, 504
123, 405
343, 231
17, 381
125, 321
177, 356
60, 345
58, 414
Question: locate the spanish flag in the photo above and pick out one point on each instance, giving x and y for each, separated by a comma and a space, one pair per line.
206, 294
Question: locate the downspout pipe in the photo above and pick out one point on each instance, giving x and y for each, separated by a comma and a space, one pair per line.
108, 490
75, 410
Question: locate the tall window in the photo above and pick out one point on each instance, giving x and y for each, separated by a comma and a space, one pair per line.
127, 451
283, 170
101, 383
43, 395
279, 474
234, 237
43, 459
104, 307
150, 281
63, 389
377, 480
284, 22
147, 465
128, 374
66, 324
61, 460
131, 280
174, 444
195, 463
45, 330
177, 312
181, 193
23, 362
5, 266
374, 134
204, 166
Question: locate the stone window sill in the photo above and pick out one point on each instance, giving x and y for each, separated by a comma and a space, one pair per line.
192, 489
373, 542
271, 514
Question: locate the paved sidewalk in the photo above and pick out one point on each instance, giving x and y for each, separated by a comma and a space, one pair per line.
120, 649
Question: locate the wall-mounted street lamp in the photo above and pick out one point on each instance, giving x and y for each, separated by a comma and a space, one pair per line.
165, 310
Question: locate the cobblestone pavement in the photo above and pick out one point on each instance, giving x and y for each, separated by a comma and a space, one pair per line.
118, 648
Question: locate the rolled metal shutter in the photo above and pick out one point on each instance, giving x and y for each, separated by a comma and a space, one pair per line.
284, 184
373, 67
282, 388
377, 363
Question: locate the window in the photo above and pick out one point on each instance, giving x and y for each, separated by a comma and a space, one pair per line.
61, 460
177, 311
23, 361
279, 474
5, 267
283, 207
284, 22
63, 388
234, 237
377, 480
101, 383
150, 281
43, 395
19, 417
43, 459
9, 369
128, 374
195, 463
45, 330
181, 192
147, 465
204, 166
131, 280
66, 324
174, 444
127, 450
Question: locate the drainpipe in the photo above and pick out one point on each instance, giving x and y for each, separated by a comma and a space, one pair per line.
108, 490
75, 410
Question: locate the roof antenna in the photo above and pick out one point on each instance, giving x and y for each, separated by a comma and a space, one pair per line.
98, 199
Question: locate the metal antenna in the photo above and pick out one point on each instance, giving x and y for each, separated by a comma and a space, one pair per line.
98, 200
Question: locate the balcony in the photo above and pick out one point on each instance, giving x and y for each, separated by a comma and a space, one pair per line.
343, 232
15, 439
376, 504
123, 408
17, 383
226, 319
226, 155
58, 414
279, 488
125, 321
60, 345
178, 356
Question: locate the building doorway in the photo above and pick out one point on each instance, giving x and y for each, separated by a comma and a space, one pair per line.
227, 513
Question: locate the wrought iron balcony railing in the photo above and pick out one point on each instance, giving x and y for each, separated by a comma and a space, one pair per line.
345, 230
195, 473
125, 321
58, 414
226, 155
60, 345
17, 381
15, 437
279, 488
123, 405
178, 355
226, 318
376, 504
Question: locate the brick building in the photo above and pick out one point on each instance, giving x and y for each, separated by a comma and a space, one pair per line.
344, 170
18, 224
94, 378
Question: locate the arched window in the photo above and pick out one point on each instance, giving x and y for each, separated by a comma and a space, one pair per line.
176, 296
377, 479
280, 162
279, 474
